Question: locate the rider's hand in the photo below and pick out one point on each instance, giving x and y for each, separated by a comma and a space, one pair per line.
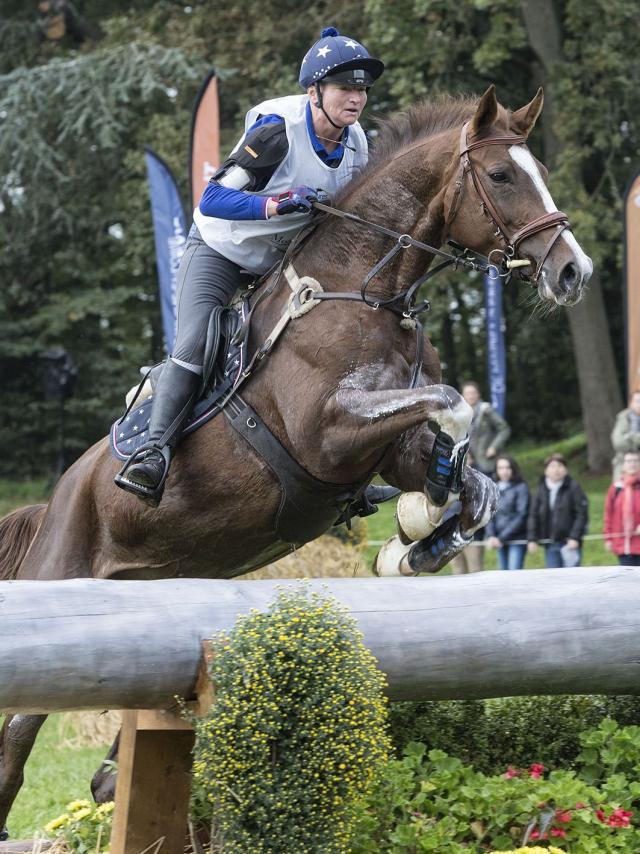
298, 200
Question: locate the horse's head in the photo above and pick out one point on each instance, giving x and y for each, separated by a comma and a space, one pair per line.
497, 202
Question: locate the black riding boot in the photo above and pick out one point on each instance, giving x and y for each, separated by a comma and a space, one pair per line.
145, 472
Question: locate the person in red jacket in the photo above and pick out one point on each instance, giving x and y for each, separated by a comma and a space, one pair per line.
622, 513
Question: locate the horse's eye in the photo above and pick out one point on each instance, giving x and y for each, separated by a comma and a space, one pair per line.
499, 177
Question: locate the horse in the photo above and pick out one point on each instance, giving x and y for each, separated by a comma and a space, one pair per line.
336, 390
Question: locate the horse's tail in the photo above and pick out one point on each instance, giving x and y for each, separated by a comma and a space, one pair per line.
17, 530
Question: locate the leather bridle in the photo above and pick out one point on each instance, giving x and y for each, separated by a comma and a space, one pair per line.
556, 219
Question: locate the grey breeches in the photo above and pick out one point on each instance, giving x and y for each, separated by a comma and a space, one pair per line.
205, 279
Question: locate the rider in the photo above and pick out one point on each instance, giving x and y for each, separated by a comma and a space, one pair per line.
248, 215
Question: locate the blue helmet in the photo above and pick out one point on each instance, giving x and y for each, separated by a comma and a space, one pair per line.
339, 59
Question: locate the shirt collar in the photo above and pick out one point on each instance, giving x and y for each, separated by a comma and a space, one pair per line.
318, 146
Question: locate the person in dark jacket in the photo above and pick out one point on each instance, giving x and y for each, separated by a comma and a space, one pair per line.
559, 513
510, 521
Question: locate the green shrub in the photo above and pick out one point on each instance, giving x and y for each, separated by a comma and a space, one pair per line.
432, 802
297, 730
525, 729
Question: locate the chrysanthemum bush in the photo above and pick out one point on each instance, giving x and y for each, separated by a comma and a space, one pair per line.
429, 801
83, 828
298, 729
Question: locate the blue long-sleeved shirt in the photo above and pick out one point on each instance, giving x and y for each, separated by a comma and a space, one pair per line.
229, 203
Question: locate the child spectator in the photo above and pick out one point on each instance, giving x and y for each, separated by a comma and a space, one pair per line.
559, 513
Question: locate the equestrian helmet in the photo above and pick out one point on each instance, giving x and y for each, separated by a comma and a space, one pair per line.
339, 59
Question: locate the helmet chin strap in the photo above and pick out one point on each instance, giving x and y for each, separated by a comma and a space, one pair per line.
320, 106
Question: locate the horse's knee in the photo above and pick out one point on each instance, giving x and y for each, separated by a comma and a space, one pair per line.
454, 415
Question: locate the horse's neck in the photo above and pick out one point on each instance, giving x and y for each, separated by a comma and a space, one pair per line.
405, 195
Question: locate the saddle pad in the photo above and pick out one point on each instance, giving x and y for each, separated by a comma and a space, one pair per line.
128, 433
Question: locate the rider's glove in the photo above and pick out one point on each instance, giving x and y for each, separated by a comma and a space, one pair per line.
298, 200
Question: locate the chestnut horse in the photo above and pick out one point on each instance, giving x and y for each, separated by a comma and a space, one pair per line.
335, 390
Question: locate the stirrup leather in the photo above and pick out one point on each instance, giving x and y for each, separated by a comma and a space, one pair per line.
153, 496
445, 466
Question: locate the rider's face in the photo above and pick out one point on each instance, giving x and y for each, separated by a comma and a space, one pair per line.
343, 103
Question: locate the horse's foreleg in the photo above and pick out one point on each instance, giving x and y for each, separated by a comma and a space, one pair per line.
382, 416
17, 737
103, 782
478, 503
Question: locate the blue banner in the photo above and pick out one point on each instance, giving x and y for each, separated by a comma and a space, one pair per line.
496, 362
169, 225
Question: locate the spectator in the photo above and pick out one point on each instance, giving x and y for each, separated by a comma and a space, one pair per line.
559, 513
510, 521
622, 513
626, 433
489, 431
487, 435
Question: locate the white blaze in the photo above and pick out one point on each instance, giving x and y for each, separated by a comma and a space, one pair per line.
524, 158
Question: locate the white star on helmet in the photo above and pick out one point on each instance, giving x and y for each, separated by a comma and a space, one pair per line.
351, 43
323, 51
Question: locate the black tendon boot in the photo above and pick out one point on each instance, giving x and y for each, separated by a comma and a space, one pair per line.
146, 470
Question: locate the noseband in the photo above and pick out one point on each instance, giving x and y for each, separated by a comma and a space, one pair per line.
512, 240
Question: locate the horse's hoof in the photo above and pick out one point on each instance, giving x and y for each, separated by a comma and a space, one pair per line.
412, 517
4, 834
388, 559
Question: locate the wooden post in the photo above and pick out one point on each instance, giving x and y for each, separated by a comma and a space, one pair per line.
154, 775
154, 783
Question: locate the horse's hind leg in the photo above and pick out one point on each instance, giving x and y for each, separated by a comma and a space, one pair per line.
17, 737
103, 782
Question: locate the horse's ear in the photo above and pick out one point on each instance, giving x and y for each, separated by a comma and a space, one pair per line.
525, 118
486, 112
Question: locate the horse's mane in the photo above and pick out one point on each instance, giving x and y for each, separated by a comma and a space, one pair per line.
419, 121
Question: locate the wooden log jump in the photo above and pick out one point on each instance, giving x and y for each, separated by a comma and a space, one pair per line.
88, 644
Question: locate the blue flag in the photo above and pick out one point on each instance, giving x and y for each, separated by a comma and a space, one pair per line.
496, 363
169, 225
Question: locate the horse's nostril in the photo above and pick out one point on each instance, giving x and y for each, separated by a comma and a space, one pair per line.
569, 277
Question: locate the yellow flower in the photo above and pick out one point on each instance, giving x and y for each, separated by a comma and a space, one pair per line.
57, 822
76, 805
106, 808
80, 814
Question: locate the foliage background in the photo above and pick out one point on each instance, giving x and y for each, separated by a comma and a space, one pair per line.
77, 266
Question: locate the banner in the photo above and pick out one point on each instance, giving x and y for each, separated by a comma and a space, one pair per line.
496, 363
632, 283
204, 156
170, 231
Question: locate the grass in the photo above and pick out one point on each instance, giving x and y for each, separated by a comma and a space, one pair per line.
54, 775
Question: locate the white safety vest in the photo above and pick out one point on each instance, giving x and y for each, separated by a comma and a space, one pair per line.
256, 245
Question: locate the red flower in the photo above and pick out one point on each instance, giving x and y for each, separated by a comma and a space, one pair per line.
536, 770
564, 815
535, 834
600, 815
580, 805
558, 831
511, 772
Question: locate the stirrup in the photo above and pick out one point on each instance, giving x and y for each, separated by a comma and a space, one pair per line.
445, 466
150, 496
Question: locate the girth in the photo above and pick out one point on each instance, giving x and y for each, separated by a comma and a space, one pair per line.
308, 506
